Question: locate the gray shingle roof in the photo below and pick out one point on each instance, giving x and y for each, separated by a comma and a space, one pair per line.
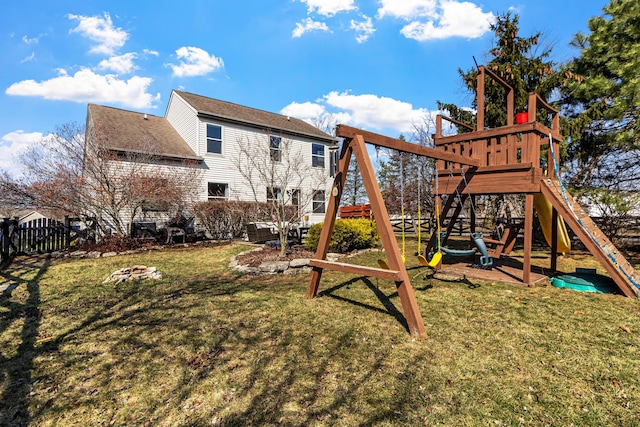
129, 131
214, 108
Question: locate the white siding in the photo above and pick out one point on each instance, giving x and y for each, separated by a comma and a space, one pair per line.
183, 118
222, 168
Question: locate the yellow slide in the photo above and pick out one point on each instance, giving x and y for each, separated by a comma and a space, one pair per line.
544, 209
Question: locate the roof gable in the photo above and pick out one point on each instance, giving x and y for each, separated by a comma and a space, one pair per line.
137, 132
228, 111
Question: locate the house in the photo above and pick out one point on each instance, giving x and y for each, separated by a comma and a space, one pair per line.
218, 138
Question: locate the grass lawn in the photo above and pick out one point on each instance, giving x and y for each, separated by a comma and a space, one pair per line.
204, 346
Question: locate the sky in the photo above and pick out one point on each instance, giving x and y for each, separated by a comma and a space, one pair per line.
381, 65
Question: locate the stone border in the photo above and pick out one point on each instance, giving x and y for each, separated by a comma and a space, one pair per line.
295, 266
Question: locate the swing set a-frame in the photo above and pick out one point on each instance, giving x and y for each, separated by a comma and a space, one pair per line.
512, 159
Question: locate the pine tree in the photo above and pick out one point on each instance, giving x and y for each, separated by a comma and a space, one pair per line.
601, 96
521, 62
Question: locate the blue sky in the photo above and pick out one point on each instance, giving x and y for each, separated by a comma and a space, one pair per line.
376, 64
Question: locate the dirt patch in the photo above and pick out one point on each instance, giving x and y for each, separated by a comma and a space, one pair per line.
255, 258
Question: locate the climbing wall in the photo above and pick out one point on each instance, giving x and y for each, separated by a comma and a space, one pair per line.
623, 273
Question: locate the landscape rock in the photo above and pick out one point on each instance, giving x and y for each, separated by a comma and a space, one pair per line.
299, 262
333, 257
137, 272
293, 271
274, 266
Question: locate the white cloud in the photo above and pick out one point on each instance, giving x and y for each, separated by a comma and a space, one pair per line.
87, 86
305, 110
407, 9
437, 19
314, 113
151, 52
29, 58
377, 112
12, 145
458, 19
328, 7
100, 30
30, 41
197, 62
307, 25
364, 29
367, 111
120, 64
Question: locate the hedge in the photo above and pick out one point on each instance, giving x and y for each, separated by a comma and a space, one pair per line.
227, 219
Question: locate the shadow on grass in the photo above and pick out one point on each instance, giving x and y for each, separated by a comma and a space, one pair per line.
389, 308
115, 339
16, 371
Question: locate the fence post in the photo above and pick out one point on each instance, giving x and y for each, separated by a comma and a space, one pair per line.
67, 231
4, 227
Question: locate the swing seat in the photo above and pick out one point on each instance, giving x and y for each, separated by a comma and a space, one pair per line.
458, 252
480, 247
433, 262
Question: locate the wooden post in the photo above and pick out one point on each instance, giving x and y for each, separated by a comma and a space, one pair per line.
6, 238
392, 251
480, 102
554, 239
510, 106
532, 107
330, 217
528, 238
67, 231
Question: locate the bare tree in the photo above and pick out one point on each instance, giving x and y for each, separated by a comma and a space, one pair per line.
274, 167
88, 179
353, 192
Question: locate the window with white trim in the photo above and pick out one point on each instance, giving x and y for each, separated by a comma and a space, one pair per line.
275, 143
218, 191
274, 194
317, 155
318, 202
214, 139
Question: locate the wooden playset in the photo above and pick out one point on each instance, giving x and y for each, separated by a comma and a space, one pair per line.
502, 160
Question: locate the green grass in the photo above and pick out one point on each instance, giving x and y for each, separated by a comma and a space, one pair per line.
204, 346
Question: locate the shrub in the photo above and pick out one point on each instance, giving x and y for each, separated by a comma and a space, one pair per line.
348, 235
227, 219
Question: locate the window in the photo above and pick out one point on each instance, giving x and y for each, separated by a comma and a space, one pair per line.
218, 191
318, 202
295, 197
317, 155
214, 139
274, 148
273, 194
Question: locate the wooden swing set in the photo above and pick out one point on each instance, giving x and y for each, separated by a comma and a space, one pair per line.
503, 160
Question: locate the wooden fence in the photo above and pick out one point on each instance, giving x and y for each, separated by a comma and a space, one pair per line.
41, 235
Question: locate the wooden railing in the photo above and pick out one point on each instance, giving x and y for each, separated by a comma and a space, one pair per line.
509, 145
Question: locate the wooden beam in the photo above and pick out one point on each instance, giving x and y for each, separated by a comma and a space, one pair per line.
388, 238
349, 132
330, 218
528, 238
357, 269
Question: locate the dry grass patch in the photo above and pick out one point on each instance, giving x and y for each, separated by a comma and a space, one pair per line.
206, 347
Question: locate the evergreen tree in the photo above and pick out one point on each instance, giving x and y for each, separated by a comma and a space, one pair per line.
601, 96
521, 62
